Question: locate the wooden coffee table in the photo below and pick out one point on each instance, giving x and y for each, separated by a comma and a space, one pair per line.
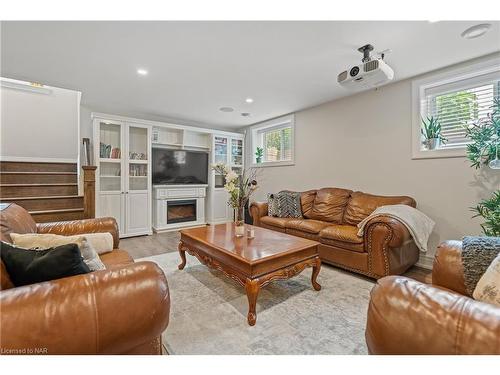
252, 263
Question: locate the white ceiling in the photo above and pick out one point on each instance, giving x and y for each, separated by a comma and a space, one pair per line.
197, 67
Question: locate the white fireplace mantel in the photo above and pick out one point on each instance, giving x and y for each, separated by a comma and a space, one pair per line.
162, 194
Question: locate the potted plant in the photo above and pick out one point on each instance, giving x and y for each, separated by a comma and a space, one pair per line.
431, 130
259, 153
483, 151
485, 137
240, 188
489, 209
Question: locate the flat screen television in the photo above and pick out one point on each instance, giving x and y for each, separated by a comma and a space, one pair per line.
179, 167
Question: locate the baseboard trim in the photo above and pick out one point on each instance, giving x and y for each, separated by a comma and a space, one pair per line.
425, 262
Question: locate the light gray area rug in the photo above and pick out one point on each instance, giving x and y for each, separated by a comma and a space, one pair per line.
208, 312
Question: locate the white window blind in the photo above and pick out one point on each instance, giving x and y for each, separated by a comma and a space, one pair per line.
459, 104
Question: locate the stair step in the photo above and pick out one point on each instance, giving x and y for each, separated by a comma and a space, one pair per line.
49, 202
14, 166
46, 216
37, 177
37, 190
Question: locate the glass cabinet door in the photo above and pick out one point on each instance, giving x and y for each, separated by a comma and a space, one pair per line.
137, 158
110, 154
220, 156
236, 151
220, 150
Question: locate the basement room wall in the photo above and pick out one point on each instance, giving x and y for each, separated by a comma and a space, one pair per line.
363, 142
39, 126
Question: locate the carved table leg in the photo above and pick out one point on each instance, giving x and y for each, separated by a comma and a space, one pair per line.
315, 273
182, 253
252, 288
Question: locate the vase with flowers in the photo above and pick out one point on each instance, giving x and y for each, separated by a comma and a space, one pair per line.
240, 188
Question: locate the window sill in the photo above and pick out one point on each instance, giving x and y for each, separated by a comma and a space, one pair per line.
273, 164
439, 154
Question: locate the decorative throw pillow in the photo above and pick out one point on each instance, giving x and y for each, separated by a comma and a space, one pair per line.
101, 242
37, 241
272, 205
488, 287
289, 204
28, 267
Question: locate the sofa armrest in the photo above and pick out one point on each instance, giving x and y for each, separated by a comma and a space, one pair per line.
448, 270
408, 317
70, 228
396, 230
258, 210
104, 312
390, 247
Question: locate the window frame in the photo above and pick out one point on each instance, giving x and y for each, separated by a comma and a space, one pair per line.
419, 87
279, 123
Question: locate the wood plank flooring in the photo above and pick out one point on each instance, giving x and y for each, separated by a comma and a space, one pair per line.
159, 243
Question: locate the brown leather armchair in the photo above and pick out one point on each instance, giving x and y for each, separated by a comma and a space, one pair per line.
120, 310
409, 317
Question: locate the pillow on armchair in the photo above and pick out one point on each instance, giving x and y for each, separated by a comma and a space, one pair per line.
34, 266
488, 287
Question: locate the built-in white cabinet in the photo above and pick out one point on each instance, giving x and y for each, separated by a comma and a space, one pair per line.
227, 149
123, 178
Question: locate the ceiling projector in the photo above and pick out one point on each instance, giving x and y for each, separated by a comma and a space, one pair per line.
371, 73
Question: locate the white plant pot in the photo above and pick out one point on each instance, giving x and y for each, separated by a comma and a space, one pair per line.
433, 143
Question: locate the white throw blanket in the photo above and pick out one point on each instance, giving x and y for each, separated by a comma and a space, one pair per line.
418, 224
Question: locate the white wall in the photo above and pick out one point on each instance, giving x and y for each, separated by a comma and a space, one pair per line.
41, 126
363, 142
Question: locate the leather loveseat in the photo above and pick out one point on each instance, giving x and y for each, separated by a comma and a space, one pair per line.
409, 317
120, 310
331, 215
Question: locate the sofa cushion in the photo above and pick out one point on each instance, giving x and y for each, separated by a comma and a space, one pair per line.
275, 221
116, 258
329, 205
344, 233
361, 205
306, 225
349, 246
306, 202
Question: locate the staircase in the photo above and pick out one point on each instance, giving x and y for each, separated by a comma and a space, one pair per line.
49, 191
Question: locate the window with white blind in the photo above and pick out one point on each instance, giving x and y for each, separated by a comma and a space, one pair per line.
456, 100
275, 139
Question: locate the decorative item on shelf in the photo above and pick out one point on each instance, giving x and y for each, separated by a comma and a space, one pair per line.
86, 150
240, 188
116, 153
137, 156
431, 130
259, 153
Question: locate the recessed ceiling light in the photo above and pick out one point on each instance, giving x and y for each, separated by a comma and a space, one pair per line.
245, 114
142, 72
226, 109
476, 31
249, 100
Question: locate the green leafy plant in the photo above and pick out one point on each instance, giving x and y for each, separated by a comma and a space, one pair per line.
489, 209
259, 153
431, 129
485, 136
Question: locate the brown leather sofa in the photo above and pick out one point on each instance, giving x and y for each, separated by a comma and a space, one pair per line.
331, 215
120, 310
408, 317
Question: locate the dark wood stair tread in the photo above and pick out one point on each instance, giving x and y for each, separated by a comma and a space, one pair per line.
23, 173
41, 184
44, 197
56, 211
